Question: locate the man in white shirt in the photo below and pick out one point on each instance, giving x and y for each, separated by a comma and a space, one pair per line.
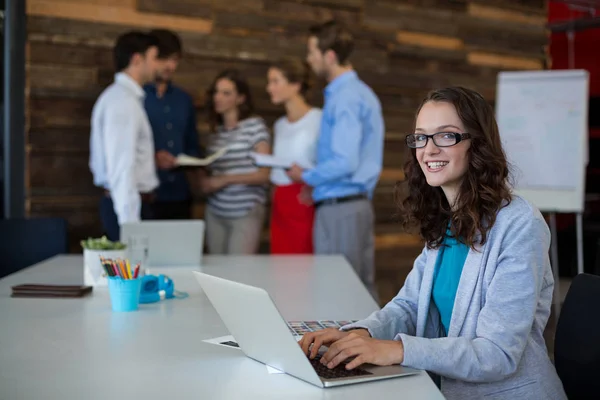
121, 143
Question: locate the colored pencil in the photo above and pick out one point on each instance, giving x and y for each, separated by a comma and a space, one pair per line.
109, 269
120, 268
123, 270
117, 271
129, 270
105, 266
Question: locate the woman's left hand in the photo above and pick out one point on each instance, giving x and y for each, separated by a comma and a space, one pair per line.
366, 350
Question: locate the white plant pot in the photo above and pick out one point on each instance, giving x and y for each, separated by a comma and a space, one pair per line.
93, 272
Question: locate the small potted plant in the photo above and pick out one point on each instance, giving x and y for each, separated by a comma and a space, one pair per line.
93, 250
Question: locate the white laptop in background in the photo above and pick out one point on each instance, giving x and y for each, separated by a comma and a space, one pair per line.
270, 340
168, 242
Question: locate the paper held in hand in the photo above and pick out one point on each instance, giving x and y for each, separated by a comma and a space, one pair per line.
270, 161
183, 160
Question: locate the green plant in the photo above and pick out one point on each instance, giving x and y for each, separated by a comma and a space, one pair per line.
101, 244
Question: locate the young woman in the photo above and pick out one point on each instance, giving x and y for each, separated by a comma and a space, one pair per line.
295, 139
237, 188
474, 307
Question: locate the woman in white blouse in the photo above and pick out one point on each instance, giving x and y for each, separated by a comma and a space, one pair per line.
295, 139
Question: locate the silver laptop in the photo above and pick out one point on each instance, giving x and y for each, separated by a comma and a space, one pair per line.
270, 341
167, 242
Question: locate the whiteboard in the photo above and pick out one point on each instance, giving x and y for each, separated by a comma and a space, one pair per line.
543, 122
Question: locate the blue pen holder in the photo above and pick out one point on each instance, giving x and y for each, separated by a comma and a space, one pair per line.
124, 293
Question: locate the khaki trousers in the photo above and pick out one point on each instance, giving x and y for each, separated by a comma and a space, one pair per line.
234, 235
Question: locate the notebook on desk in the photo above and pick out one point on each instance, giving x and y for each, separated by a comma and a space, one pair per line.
49, 291
273, 342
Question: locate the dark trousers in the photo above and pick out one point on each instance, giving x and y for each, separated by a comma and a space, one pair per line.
172, 209
110, 223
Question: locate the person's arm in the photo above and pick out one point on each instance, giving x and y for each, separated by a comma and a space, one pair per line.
260, 141
346, 136
121, 130
504, 322
400, 314
260, 177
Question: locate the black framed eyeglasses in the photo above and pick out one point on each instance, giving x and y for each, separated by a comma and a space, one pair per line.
440, 139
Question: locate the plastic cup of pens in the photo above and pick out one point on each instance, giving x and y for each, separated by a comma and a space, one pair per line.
124, 285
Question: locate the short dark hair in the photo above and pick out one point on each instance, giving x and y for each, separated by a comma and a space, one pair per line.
169, 43
245, 110
295, 71
332, 35
129, 44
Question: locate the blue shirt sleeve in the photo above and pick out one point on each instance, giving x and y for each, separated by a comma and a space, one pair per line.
192, 145
345, 139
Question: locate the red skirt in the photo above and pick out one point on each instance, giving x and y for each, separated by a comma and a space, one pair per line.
291, 222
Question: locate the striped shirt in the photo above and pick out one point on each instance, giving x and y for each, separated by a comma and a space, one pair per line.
235, 201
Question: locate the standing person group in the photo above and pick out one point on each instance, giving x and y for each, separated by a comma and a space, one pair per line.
322, 204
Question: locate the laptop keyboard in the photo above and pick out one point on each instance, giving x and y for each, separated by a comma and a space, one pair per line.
339, 371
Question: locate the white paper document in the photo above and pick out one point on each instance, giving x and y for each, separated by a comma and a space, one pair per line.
183, 160
270, 161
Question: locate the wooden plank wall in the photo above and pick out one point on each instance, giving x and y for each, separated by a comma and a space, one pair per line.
404, 48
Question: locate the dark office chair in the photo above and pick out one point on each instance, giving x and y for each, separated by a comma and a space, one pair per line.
24, 242
577, 339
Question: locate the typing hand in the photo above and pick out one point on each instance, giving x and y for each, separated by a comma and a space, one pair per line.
364, 350
165, 160
324, 337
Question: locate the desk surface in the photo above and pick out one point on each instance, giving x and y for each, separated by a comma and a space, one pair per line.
72, 348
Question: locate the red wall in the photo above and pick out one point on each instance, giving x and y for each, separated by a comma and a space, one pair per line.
586, 45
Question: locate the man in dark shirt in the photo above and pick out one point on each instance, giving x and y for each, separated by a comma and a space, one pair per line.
173, 120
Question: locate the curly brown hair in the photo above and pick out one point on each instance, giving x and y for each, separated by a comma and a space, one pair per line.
483, 191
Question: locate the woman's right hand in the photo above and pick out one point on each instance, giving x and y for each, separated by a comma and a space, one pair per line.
325, 337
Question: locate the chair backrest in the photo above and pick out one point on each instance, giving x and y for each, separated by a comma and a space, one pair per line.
577, 340
25, 242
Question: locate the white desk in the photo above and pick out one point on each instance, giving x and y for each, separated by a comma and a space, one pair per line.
79, 348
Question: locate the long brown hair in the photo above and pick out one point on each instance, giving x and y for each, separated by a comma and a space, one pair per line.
246, 109
483, 191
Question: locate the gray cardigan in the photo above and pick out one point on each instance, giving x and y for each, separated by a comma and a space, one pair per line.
495, 347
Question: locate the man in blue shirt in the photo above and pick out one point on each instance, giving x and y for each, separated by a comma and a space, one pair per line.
349, 155
173, 118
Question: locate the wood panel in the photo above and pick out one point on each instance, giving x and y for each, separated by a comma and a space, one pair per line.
59, 173
312, 12
404, 48
187, 8
122, 14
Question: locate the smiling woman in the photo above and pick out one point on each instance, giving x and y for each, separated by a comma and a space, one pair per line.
458, 172
473, 308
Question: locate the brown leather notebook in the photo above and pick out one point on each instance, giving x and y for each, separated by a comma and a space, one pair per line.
48, 291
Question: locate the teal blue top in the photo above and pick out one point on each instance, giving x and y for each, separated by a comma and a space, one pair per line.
448, 269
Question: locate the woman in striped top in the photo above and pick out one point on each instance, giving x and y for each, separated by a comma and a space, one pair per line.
236, 188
